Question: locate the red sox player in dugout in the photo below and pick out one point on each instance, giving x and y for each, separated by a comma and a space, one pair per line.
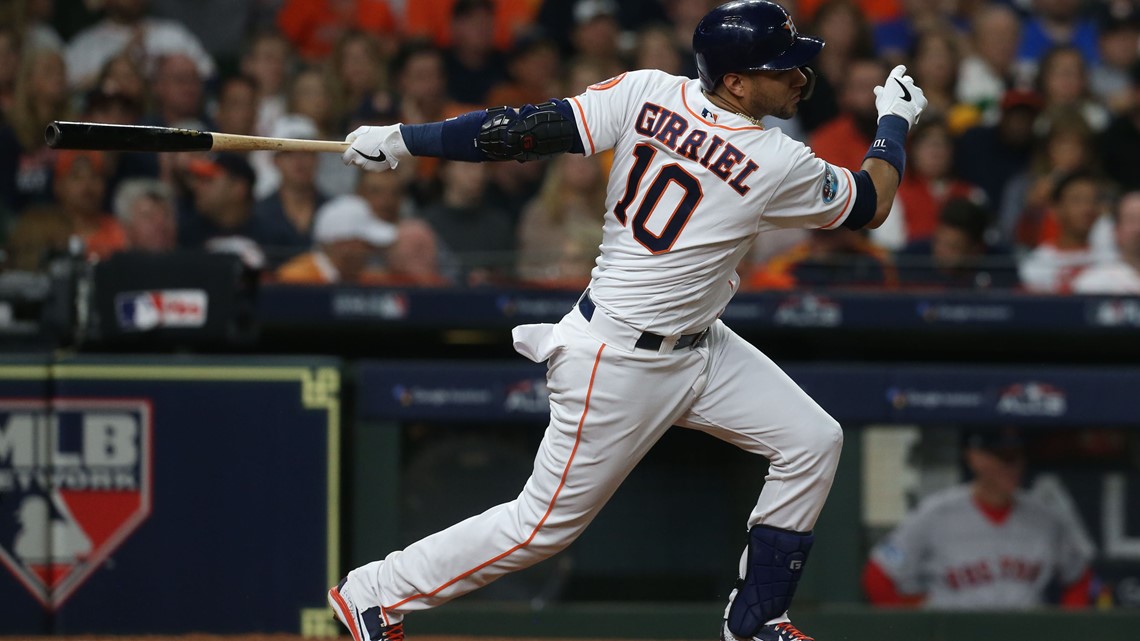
695, 178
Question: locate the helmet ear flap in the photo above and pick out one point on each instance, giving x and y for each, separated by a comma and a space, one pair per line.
809, 88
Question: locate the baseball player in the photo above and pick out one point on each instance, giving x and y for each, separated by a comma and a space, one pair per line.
695, 178
982, 545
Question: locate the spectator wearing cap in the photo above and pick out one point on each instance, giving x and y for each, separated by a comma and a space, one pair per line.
128, 25
1077, 205
988, 70
80, 184
315, 26
432, 19
1120, 275
1119, 45
472, 65
348, 247
957, 255
990, 155
144, 208
221, 207
286, 215
1119, 142
985, 544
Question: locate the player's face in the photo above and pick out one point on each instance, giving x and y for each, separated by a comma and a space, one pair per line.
774, 93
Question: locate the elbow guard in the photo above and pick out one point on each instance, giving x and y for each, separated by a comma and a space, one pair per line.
530, 134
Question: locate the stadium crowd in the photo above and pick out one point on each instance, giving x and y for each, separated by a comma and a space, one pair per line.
1021, 174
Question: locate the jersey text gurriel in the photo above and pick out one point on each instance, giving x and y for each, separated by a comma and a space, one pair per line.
722, 158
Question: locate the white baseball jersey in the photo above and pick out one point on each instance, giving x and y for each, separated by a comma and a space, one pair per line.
691, 186
959, 558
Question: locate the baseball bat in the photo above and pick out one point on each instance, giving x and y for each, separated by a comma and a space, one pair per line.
104, 137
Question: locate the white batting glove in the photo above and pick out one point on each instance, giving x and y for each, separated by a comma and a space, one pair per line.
376, 148
899, 96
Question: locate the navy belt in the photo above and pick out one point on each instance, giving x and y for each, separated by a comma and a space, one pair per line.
647, 340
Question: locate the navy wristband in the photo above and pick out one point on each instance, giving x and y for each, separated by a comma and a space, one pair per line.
453, 139
890, 142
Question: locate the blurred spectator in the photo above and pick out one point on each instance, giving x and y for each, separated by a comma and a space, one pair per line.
580, 73
874, 9
897, 37
222, 39
471, 64
144, 208
358, 69
124, 75
267, 59
413, 259
683, 17
844, 140
990, 155
1122, 274
314, 95
560, 230
1056, 23
1068, 146
511, 185
315, 26
386, 195
934, 65
477, 233
957, 255
988, 70
1119, 45
840, 257
236, 108
127, 26
178, 92
1119, 142
595, 34
848, 37
1063, 83
286, 216
25, 161
80, 184
927, 185
986, 544
221, 216
31, 20
40, 233
432, 19
348, 246
533, 71
120, 109
1049, 268
9, 66
656, 48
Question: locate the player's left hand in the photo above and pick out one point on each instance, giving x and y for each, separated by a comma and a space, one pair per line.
375, 148
899, 96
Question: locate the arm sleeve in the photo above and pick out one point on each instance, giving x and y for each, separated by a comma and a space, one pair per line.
900, 556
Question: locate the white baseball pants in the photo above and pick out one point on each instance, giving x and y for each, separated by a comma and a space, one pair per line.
609, 403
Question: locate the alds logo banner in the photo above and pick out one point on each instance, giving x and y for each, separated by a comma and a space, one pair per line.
75, 481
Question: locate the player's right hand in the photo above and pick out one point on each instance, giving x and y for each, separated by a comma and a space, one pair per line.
375, 148
899, 96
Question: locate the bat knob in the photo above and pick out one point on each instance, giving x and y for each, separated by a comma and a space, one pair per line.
52, 135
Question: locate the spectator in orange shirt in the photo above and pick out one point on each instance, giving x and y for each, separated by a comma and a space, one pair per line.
348, 245
844, 140
432, 19
314, 26
843, 257
80, 185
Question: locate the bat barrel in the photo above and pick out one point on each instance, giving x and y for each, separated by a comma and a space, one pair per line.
99, 136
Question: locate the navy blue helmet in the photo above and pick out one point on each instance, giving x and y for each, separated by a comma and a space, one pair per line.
749, 35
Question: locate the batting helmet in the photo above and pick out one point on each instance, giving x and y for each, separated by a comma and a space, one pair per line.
749, 35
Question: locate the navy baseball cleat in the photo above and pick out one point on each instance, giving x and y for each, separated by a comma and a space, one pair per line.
369, 625
771, 632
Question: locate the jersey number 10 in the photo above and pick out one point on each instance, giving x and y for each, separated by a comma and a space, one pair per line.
663, 242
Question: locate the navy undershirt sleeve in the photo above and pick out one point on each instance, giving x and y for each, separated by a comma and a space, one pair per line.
866, 199
455, 138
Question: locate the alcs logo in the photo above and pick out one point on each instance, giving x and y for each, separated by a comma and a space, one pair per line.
76, 482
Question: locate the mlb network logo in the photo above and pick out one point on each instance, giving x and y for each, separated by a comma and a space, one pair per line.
76, 482
143, 311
